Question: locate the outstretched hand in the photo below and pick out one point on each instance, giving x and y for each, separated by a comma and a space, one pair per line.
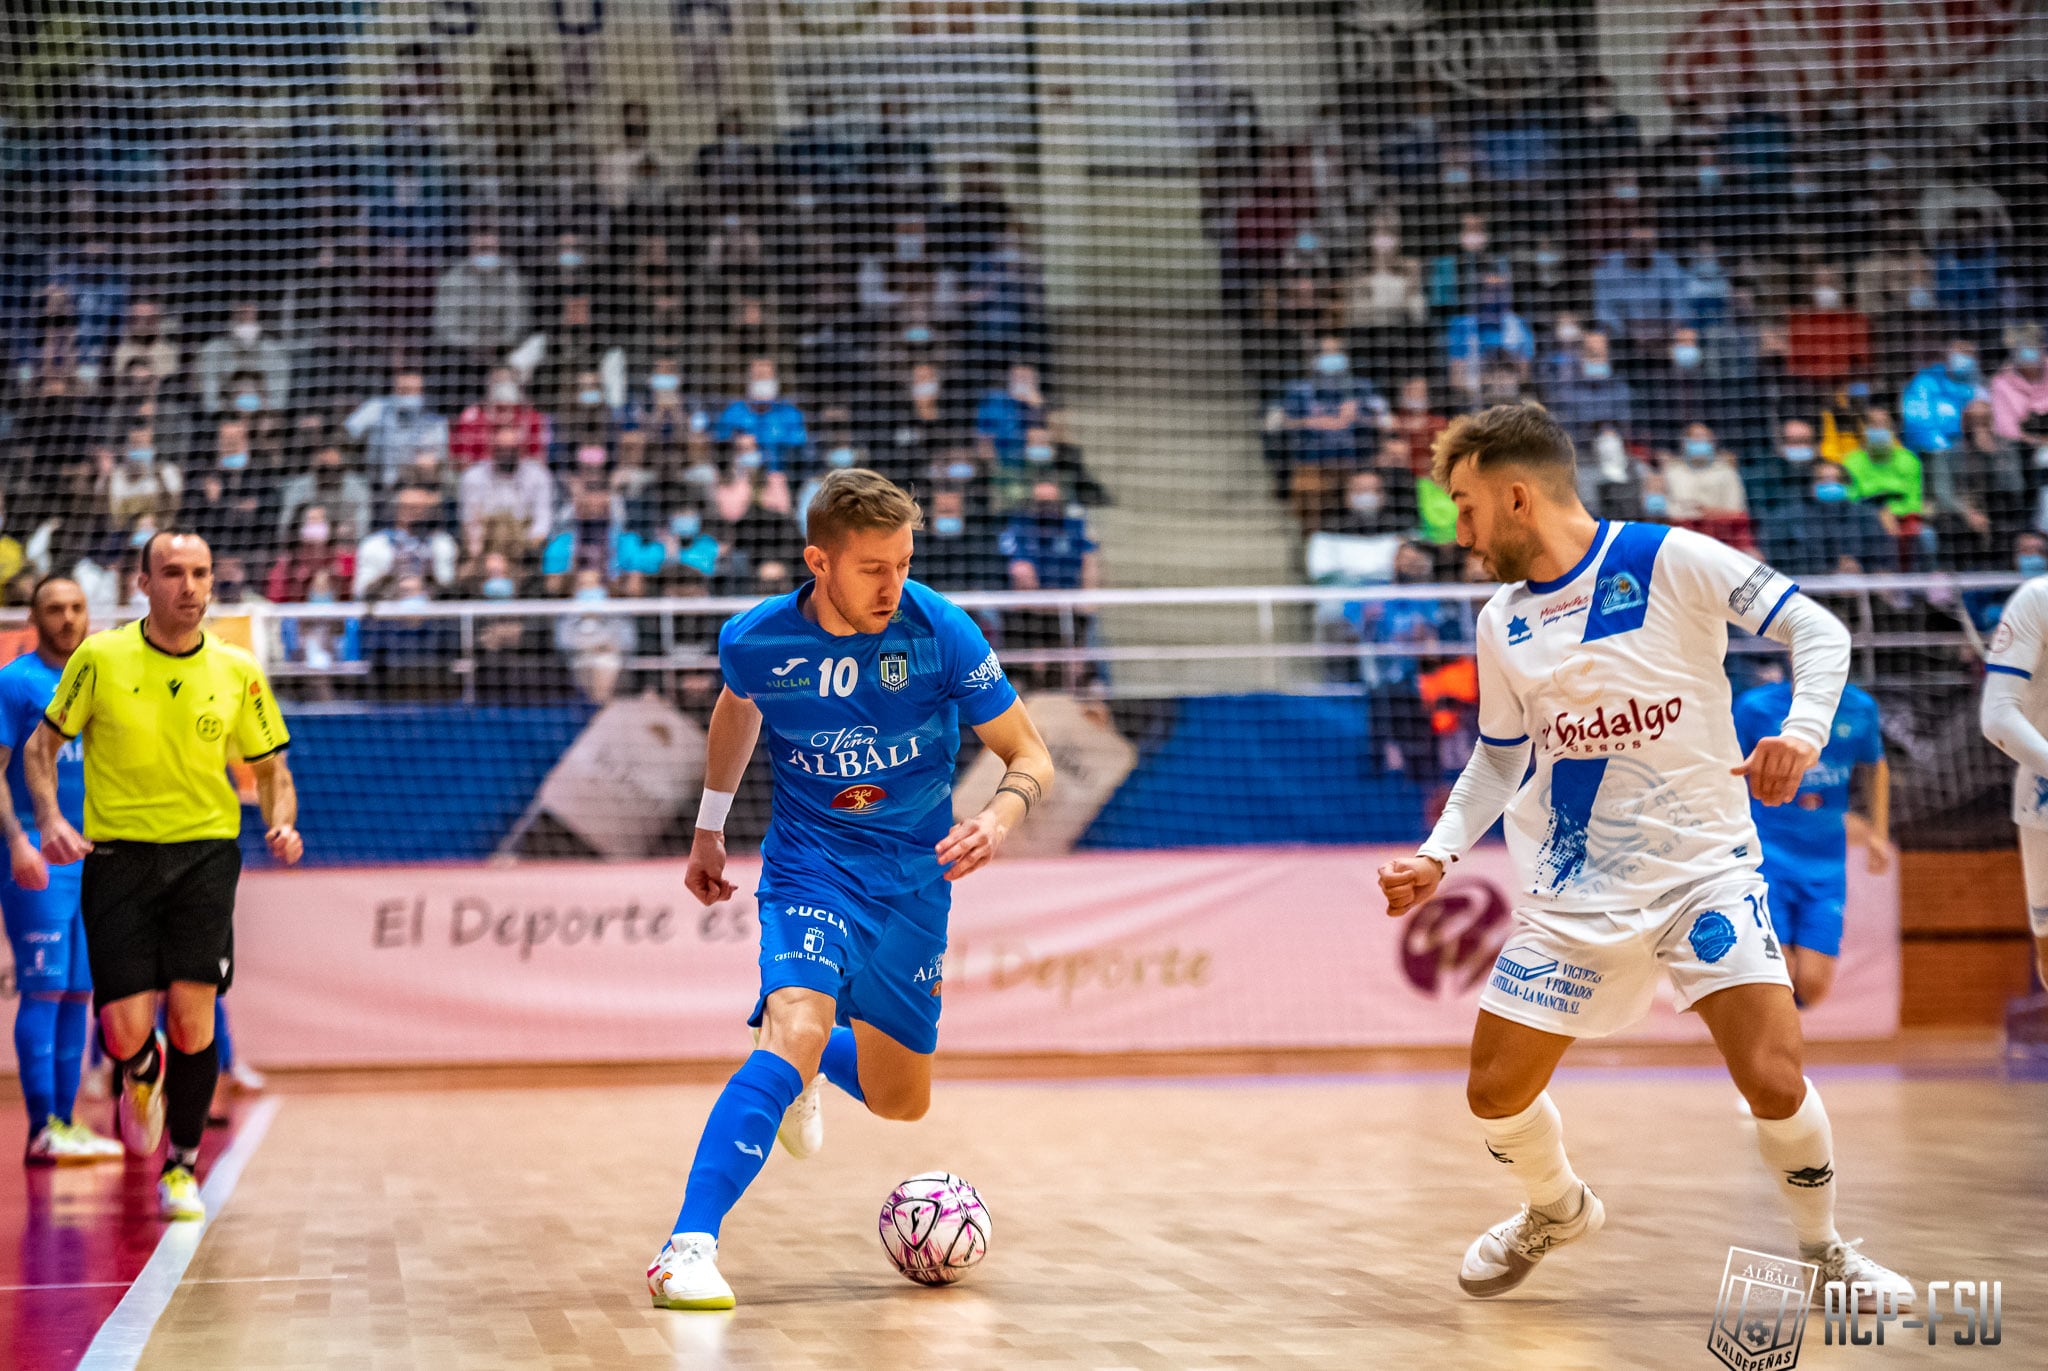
1775, 766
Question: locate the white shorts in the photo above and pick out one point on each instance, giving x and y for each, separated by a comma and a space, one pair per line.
1587, 975
2034, 856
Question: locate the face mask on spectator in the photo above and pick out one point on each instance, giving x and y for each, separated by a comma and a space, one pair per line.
1569, 333
248, 401
1458, 176
1628, 190
1804, 190
841, 456
1307, 241
763, 390
314, 531
590, 455
686, 526
1038, 452
949, 525
1654, 504
591, 593
408, 404
1830, 492
1962, 365
1685, 356
747, 459
319, 597
699, 421
1472, 241
1024, 392
960, 471
140, 536
2032, 563
925, 390
1710, 177
662, 383
1596, 368
909, 246
234, 461
1386, 242
2027, 357
568, 259
1826, 297
1366, 503
1877, 440
917, 335
1332, 363
1919, 297
702, 474
1798, 452
593, 396
505, 392
247, 334
499, 588
142, 454
1548, 258
1699, 449
485, 261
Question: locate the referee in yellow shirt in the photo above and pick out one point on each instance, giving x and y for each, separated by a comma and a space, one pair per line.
163, 708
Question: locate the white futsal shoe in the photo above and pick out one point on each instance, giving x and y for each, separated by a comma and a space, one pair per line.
54, 1145
95, 1147
139, 1108
1843, 1262
1502, 1257
685, 1274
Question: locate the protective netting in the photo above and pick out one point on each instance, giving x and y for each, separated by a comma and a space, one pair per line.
527, 299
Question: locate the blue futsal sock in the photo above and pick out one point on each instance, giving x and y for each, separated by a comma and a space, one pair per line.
840, 1063
74, 1025
35, 1039
736, 1140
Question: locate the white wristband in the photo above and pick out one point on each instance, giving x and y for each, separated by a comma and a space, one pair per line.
713, 808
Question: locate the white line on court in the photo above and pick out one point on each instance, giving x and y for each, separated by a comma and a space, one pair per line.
119, 1343
204, 1280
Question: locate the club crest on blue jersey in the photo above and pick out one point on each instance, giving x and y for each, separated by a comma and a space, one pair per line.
1712, 936
895, 670
1620, 591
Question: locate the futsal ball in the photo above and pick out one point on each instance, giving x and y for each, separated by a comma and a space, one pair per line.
935, 1228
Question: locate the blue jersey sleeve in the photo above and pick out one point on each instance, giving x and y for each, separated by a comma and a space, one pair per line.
726, 666
977, 683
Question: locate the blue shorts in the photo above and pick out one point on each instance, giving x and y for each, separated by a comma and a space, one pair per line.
47, 933
1806, 906
882, 957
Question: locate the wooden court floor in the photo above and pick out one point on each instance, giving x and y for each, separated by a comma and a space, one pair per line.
1155, 1224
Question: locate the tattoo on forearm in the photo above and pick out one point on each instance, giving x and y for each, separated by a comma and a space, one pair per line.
1024, 786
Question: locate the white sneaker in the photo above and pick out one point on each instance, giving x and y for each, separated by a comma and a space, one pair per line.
177, 1196
139, 1108
685, 1274
54, 1145
803, 1123
1502, 1257
247, 1078
93, 1145
1843, 1262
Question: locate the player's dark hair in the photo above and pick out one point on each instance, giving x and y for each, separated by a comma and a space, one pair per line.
858, 500
53, 578
1522, 435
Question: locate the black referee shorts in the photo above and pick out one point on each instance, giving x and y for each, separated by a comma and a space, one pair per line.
160, 912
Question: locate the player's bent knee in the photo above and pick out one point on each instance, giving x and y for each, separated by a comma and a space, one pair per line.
907, 1105
1496, 1098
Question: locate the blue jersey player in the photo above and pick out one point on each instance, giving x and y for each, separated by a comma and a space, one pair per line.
860, 678
41, 901
1806, 843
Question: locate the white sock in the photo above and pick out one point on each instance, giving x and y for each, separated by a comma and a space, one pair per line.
1800, 1152
1531, 1143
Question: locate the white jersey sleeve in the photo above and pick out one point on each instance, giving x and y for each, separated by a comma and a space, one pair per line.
2016, 643
1502, 720
1716, 579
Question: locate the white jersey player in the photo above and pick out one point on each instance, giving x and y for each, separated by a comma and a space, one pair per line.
1632, 836
2014, 716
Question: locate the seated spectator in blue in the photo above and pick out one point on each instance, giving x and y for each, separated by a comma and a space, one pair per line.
321, 644
1931, 409
1005, 415
96, 290
1640, 294
958, 548
1454, 277
1831, 533
585, 416
589, 539
1048, 548
664, 414
1329, 421
776, 425
1588, 396
1780, 478
411, 657
393, 428
683, 544
1491, 334
1000, 296
1401, 724
1969, 271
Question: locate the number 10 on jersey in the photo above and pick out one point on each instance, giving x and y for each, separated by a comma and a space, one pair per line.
838, 677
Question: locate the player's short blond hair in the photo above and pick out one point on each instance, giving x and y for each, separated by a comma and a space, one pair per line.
1521, 435
857, 500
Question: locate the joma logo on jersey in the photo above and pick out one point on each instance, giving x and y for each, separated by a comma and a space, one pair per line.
1627, 725
851, 752
859, 799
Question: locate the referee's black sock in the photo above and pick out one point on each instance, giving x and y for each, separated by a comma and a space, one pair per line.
144, 1065
189, 1079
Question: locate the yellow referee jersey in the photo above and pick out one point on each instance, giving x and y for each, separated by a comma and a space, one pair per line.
161, 728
